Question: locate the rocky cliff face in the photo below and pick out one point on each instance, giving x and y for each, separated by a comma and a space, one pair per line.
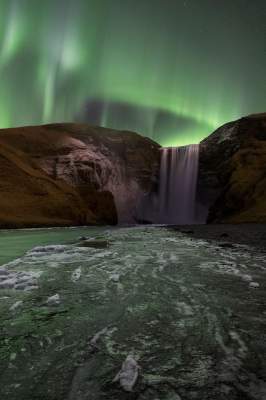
232, 172
65, 174
69, 174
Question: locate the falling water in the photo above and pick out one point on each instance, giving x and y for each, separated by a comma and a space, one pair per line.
178, 180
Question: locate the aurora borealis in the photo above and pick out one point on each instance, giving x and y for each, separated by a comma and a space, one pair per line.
177, 68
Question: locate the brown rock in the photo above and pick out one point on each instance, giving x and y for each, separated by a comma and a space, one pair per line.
69, 174
232, 173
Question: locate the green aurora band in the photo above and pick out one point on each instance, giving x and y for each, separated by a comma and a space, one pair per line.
203, 61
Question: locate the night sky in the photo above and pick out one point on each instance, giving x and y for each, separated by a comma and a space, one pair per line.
173, 70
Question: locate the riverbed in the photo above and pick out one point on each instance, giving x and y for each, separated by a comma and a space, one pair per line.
75, 304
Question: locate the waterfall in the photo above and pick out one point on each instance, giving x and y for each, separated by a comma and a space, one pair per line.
178, 181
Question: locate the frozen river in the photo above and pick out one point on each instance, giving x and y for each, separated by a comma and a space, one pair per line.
185, 316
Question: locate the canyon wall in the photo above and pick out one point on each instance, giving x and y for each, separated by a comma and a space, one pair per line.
72, 174
69, 174
232, 172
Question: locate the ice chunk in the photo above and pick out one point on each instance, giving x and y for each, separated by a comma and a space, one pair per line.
76, 275
16, 305
96, 337
254, 285
247, 278
128, 374
115, 277
48, 249
53, 300
3, 271
8, 283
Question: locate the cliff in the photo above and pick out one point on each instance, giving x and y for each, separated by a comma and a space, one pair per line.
69, 174
73, 174
232, 172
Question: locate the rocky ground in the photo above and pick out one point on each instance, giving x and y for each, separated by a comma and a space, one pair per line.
248, 234
138, 313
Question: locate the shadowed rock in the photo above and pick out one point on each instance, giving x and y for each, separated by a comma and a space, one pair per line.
232, 171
